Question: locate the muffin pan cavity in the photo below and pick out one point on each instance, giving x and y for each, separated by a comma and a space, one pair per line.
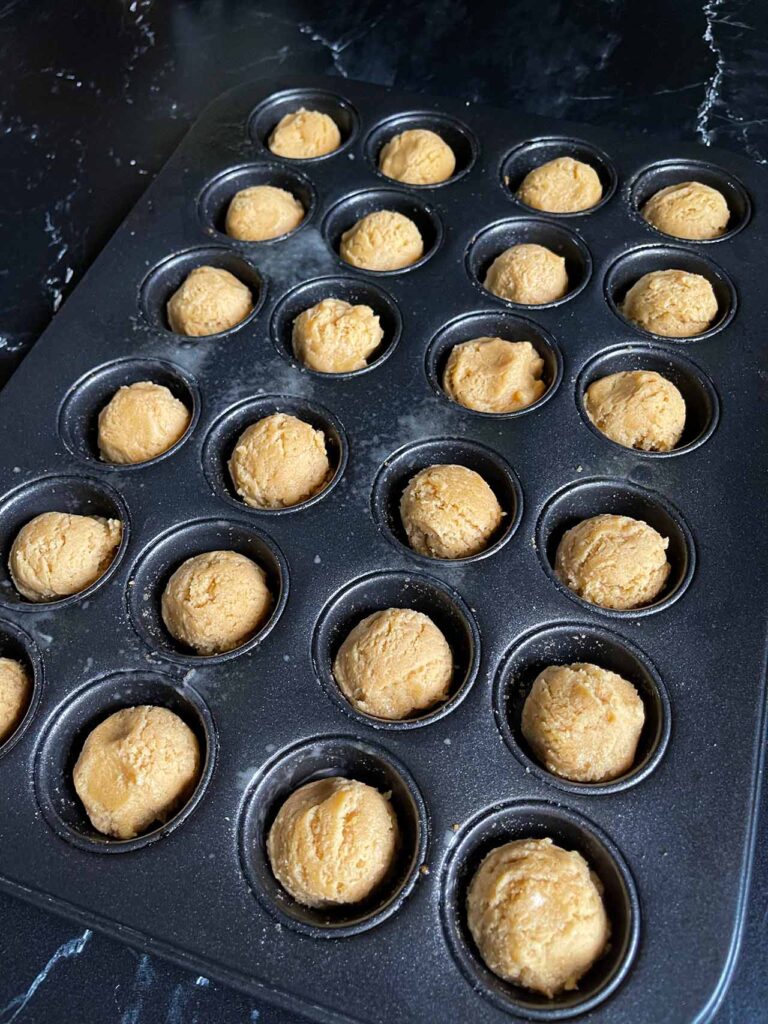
530, 155
453, 132
218, 193
16, 643
267, 114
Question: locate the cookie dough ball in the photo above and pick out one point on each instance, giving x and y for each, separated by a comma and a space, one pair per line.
136, 768
394, 663
334, 336
209, 301
672, 303
417, 157
637, 408
493, 375
449, 512
305, 134
563, 185
57, 554
529, 274
140, 422
384, 240
216, 601
279, 461
583, 722
613, 561
333, 842
262, 212
536, 914
689, 210
15, 695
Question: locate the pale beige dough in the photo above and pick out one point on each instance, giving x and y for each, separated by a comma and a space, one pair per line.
140, 422
688, 210
383, 240
536, 914
493, 375
333, 336
417, 157
15, 695
637, 408
672, 303
136, 768
261, 212
209, 301
528, 273
563, 185
305, 134
333, 842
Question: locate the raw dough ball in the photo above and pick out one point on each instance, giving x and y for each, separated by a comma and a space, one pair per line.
672, 303
262, 212
637, 408
583, 722
216, 601
304, 134
529, 274
449, 512
209, 301
493, 375
536, 914
688, 210
279, 461
563, 185
15, 694
136, 768
333, 841
334, 336
394, 663
417, 157
57, 554
613, 561
384, 240
140, 422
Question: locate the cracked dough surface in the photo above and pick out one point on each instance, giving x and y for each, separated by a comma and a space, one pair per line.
494, 375
689, 210
262, 212
15, 695
529, 274
140, 422
563, 185
637, 408
417, 157
382, 240
209, 301
672, 303
304, 134
334, 336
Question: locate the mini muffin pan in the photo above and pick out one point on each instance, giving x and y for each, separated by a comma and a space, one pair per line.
672, 840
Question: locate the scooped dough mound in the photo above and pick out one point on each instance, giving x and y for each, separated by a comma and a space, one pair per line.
672, 303
215, 601
449, 512
583, 722
689, 210
417, 157
637, 408
333, 842
394, 663
136, 768
262, 212
536, 914
15, 694
493, 375
383, 240
563, 185
613, 561
529, 274
305, 134
140, 422
279, 461
209, 301
57, 554
334, 336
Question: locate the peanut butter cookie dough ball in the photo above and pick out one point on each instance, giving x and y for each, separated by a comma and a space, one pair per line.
689, 210
57, 554
394, 663
563, 185
613, 561
637, 408
333, 842
529, 274
672, 303
15, 695
305, 134
493, 375
536, 914
136, 768
209, 301
417, 157
262, 212
334, 336
383, 240
140, 422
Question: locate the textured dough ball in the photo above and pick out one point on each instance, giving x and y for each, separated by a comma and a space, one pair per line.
216, 601
136, 768
672, 303
637, 408
140, 422
279, 461
304, 134
417, 157
57, 554
583, 722
493, 375
536, 914
394, 663
15, 695
333, 842
262, 212
529, 274
563, 185
383, 240
334, 336
688, 210
449, 512
613, 561
209, 301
